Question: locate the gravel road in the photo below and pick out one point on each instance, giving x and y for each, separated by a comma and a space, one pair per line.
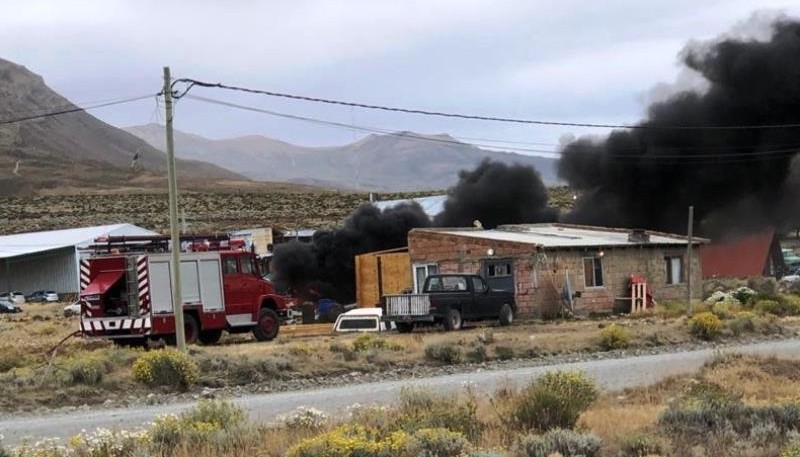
611, 374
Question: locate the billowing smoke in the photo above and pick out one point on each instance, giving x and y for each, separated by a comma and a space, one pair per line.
325, 268
736, 179
495, 193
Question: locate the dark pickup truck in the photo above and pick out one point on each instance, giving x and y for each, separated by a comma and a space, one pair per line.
449, 300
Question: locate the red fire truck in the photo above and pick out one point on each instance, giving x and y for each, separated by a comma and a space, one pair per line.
126, 291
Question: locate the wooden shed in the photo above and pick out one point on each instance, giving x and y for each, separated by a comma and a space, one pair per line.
380, 273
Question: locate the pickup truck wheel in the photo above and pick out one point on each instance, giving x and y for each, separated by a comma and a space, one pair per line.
452, 321
210, 336
191, 329
506, 315
268, 325
405, 327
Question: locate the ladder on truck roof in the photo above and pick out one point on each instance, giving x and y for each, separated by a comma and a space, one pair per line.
149, 243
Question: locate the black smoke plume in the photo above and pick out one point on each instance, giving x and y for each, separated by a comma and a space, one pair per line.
325, 268
495, 193
737, 179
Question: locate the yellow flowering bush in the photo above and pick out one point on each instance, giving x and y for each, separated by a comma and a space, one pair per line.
352, 440
554, 400
614, 337
165, 367
705, 325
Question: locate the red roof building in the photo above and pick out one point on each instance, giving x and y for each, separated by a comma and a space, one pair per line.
757, 254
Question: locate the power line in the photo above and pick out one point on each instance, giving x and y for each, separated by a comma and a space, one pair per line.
695, 159
74, 109
193, 82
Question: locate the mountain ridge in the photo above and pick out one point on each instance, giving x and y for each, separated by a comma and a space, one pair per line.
402, 161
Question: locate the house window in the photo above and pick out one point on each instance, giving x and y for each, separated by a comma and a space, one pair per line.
499, 270
421, 273
593, 271
674, 266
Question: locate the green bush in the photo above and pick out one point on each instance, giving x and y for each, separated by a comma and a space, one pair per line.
477, 353
705, 326
210, 422
504, 352
566, 443
420, 408
641, 444
554, 400
787, 305
165, 367
743, 322
614, 337
702, 418
88, 370
367, 341
792, 449
725, 310
437, 442
448, 353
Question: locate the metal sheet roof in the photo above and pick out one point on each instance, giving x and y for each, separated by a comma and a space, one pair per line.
741, 257
564, 235
33, 242
432, 205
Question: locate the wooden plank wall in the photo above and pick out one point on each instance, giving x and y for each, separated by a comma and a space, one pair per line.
394, 276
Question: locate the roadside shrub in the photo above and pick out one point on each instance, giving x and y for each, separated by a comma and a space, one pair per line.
367, 341
308, 418
761, 285
725, 309
785, 305
566, 443
350, 441
207, 423
699, 420
87, 370
437, 442
792, 449
642, 444
743, 294
477, 353
554, 400
420, 409
705, 326
614, 337
165, 367
743, 322
504, 352
108, 443
448, 353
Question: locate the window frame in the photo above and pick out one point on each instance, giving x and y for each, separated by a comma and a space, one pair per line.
417, 285
597, 264
668, 270
228, 261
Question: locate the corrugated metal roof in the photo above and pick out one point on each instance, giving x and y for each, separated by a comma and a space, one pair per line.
564, 235
32, 242
432, 205
738, 258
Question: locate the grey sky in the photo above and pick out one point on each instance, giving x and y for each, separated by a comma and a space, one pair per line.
581, 61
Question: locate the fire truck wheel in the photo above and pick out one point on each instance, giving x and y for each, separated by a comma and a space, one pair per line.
191, 329
268, 325
210, 336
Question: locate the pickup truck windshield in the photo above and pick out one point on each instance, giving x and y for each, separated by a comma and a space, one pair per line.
445, 284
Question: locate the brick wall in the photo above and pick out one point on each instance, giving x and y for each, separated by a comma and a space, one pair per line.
539, 276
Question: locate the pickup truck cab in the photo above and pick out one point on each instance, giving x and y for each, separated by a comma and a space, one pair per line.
449, 300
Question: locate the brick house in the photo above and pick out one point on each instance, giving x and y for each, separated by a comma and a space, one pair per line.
541, 261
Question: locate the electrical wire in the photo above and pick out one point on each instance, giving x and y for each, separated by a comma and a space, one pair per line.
193, 82
74, 109
695, 159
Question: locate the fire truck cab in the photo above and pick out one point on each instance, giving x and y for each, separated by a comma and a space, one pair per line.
126, 292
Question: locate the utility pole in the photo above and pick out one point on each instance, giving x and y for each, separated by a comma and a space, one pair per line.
689, 258
175, 242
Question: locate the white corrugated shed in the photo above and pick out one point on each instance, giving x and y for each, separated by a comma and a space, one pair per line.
432, 205
567, 236
49, 260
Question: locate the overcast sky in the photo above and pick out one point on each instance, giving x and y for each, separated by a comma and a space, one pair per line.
579, 61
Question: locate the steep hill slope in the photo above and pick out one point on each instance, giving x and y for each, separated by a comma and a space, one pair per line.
74, 150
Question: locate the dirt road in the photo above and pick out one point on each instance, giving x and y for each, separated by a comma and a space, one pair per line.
611, 374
